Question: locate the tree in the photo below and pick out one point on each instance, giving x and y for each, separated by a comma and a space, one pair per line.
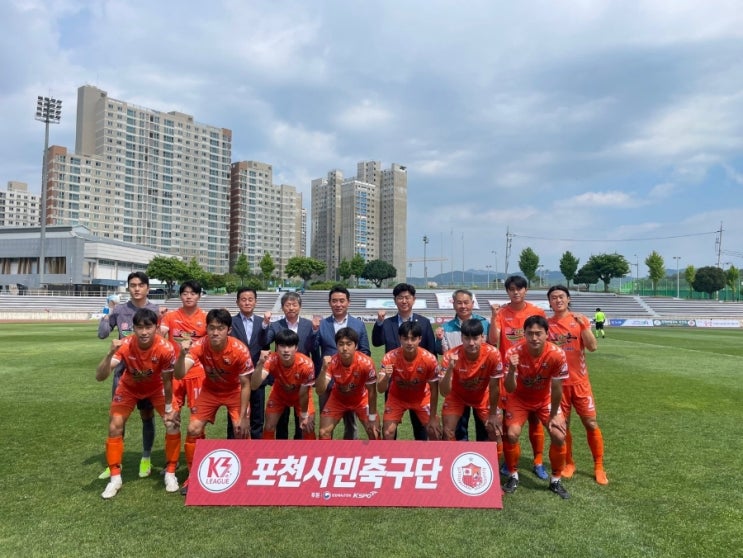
357, 267
242, 269
344, 270
193, 272
732, 279
606, 267
568, 266
709, 279
167, 270
656, 269
377, 271
267, 266
303, 267
528, 263
689, 274
586, 277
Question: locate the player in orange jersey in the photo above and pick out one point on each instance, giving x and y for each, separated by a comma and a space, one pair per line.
147, 374
507, 329
536, 370
227, 365
294, 375
471, 378
352, 371
408, 371
572, 333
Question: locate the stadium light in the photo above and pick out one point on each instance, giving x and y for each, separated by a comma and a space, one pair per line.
48, 111
677, 258
495, 260
425, 263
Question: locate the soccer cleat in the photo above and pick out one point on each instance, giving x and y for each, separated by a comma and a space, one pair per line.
504, 470
106, 474
112, 488
184, 488
145, 467
511, 485
171, 482
559, 489
568, 470
600, 475
539, 471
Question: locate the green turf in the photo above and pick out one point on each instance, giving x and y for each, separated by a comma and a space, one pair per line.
669, 405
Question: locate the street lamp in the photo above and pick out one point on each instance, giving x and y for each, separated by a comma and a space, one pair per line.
677, 258
488, 267
495, 260
48, 111
425, 264
637, 273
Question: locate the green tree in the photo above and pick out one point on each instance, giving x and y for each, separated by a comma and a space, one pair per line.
568, 266
377, 271
528, 263
606, 267
267, 266
689, 274
709, 279
732, 279
167, 270
586, 277
193, 272
305, 268
656, 269
242, 268
357, 267
344, 270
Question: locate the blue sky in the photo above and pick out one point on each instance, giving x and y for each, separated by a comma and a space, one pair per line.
577, 125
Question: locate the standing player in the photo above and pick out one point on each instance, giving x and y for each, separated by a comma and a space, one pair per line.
536, 370
294, 375
351, 372
507, 329
572, 333
147, 375
600, 318
227, 366
408, 371
471, 378
121, 317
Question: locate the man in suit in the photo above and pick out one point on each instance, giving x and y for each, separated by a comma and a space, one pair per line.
385, 332
291, 305
323, 337
251, 330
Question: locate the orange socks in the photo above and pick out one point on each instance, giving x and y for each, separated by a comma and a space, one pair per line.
557, 459
269, 435
189, 449
512, 453
596, 443
114, 454
536, 437
172, 451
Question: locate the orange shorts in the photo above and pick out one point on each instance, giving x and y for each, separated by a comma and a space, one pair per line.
125, 400
187, 389
336, 408
579, 396
208, 403
517, 412
454, 406
395, 408
278, 401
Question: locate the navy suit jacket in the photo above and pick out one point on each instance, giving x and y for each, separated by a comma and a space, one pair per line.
304, 330
257, 341
387, 334
324, 338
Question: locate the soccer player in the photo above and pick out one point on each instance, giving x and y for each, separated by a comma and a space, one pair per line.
227, 366
600, 318
294, 375
385, 332
148, 361
407, 372
471, 378
507, 329
121, 317
351, 371
536, 370
448, 337
572, 333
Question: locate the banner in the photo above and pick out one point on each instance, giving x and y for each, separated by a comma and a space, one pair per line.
631, 322
344, 473
718, 323
674, 323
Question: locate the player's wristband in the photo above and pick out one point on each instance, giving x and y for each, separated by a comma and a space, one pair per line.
373, 417
168, 408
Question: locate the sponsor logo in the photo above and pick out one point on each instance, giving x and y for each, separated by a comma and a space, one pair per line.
471, 474
218, 471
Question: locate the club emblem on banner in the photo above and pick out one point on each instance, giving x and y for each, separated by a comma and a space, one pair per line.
471, 474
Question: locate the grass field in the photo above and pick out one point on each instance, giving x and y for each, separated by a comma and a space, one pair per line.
670, 405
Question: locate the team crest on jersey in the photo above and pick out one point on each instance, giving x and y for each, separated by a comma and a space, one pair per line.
472, 474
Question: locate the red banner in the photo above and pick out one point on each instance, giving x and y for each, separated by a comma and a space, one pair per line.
344, 473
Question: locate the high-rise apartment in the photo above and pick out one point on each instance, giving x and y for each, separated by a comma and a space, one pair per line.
19, 207
157, 179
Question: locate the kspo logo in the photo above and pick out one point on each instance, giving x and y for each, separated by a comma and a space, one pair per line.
219, 470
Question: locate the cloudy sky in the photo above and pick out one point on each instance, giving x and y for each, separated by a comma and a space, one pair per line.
575, 125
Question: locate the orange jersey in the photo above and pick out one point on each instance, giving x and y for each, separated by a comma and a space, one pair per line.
350, 381
409, 380
289, 380
567, 333
223, 369
535, 374
510, 323
179, 323
470, 379
145, 367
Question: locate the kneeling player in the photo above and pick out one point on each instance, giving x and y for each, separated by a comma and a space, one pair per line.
148, 374
294, 375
